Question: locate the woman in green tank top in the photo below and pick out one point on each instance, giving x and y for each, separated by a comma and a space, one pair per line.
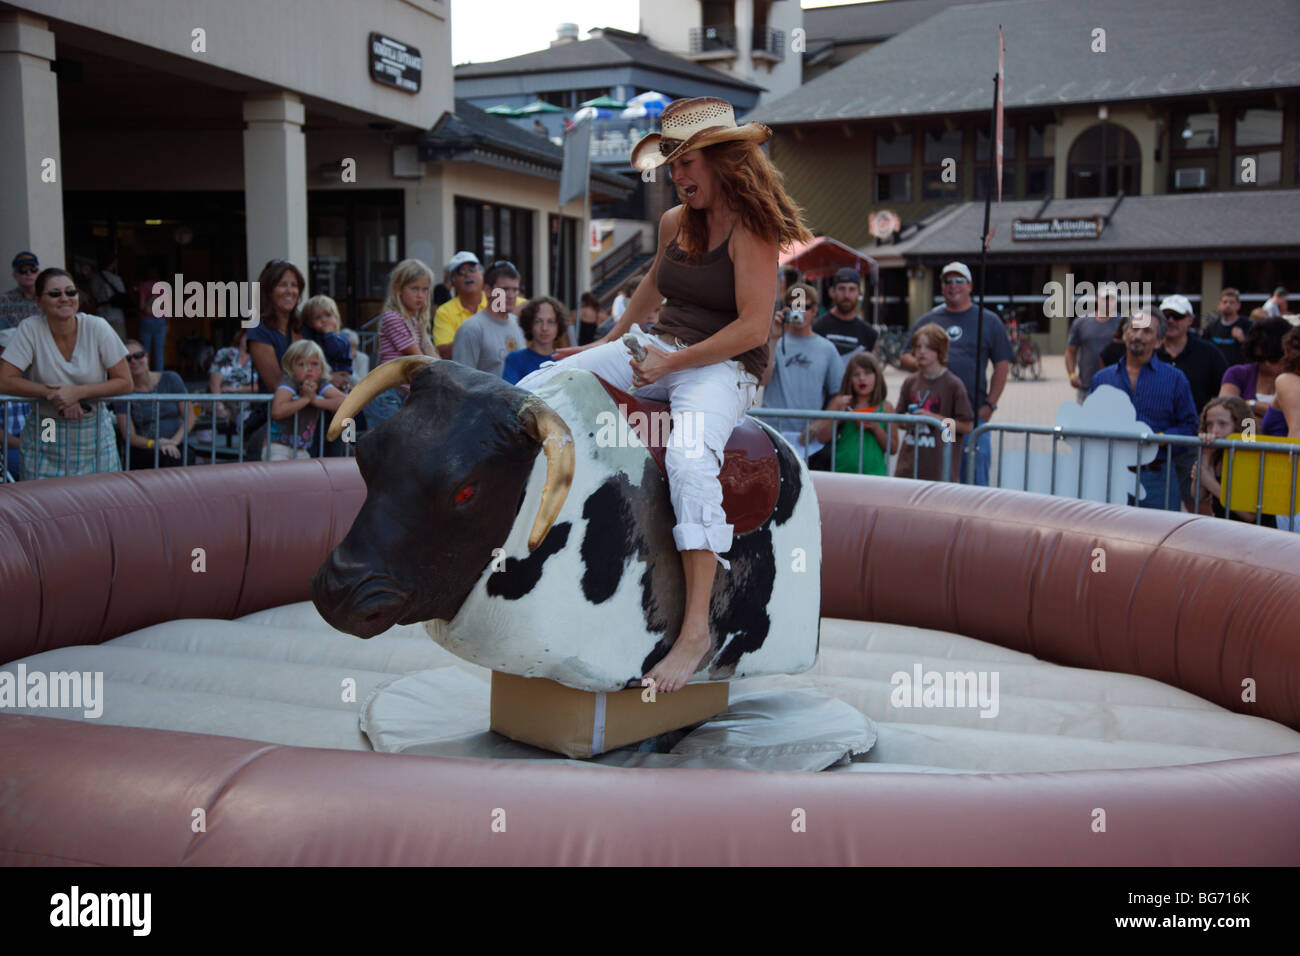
860, 449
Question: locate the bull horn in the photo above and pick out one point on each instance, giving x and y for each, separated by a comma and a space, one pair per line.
398, 371
549, 430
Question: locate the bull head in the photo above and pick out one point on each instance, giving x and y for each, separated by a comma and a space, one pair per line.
445, 478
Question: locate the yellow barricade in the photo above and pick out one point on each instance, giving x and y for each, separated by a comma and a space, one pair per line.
1280, 478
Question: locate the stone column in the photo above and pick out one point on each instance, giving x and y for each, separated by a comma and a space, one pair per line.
1058, 326
31, 167
1212, 285
919, 293
745, 39
275, 181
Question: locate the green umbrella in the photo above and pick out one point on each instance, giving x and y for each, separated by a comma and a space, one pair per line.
539, 106
607, 102
502, 110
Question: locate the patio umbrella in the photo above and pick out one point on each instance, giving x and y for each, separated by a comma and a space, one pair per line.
501, 109
539, 106
608, 102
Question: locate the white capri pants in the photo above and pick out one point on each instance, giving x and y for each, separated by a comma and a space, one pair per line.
706, 404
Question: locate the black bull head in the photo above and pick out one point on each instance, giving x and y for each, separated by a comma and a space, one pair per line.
445, 479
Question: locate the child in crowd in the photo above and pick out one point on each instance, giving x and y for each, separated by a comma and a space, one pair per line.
1221, 417
860, 449
301, 392
935, 392
321, 324
544, 322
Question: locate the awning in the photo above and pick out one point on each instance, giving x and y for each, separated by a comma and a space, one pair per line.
821, 257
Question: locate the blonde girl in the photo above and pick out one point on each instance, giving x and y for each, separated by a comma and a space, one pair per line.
303, 393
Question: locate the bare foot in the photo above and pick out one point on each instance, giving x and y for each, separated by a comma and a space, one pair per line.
681, 662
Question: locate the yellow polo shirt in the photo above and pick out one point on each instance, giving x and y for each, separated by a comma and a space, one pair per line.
451, 314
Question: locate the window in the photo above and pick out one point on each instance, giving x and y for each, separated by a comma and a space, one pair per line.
1103, 161
1258, 128
565, 233
1008, 144
492, 231
1038, 180
942, 152
1036, 139
893, 150
1195, 131
982, 151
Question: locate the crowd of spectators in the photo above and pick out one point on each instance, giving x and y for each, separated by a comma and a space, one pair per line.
1239, 372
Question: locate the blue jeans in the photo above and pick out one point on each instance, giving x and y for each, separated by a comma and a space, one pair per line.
983, 456
383, 407
1153, 483
153, 334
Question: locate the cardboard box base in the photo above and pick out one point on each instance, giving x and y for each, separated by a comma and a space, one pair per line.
580, 723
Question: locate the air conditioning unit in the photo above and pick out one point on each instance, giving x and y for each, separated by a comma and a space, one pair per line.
406, 162
1189, 179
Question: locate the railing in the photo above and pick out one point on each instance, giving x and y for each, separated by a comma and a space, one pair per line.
616, 259
917, 422
767, 40
1046, 476
706, 39
1049, 473
74, 457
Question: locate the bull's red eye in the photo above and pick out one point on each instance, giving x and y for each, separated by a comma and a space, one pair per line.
465, 494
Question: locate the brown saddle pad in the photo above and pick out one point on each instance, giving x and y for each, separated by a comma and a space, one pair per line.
751, 476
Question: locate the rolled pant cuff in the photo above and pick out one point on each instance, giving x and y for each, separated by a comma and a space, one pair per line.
696, 537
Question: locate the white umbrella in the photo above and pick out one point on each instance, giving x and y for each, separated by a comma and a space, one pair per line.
649, 97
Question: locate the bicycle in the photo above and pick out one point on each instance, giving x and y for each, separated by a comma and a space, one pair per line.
1026, 358
889, 345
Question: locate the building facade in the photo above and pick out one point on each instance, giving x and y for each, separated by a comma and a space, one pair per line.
1168, 102
207, 139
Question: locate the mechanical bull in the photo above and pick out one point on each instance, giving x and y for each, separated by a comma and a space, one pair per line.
563, 566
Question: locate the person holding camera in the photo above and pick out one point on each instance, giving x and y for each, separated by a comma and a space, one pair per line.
804, 370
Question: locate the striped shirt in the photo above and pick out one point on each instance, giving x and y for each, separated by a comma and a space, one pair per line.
1163, 399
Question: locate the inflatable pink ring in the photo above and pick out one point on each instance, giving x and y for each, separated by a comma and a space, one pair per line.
86, 559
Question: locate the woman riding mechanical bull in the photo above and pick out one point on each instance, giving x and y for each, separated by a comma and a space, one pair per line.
716, 265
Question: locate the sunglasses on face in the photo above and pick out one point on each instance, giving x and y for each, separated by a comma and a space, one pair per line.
27, 270
1175, 317
60, 293
955, 280
135, 356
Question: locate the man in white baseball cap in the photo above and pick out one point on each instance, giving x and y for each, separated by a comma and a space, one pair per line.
960, 319
1200, 361
467, 279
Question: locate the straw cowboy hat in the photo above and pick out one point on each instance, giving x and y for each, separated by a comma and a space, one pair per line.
693, 124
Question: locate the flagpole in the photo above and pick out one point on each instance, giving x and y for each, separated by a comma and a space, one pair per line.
984, 253
995, 172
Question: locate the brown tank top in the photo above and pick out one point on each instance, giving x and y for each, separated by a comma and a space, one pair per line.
702, 299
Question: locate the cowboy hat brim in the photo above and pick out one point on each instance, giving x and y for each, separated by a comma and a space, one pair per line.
647, 154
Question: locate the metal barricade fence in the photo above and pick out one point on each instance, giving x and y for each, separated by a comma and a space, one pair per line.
918, 422
73, 454
1065, 482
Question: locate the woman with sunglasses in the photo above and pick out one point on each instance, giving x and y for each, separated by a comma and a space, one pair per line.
71, 357
155, 431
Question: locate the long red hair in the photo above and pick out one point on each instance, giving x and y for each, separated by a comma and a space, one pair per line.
751, 185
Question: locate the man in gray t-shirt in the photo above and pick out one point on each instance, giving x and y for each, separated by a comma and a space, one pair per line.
805, 370
1088, 336
485, 339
